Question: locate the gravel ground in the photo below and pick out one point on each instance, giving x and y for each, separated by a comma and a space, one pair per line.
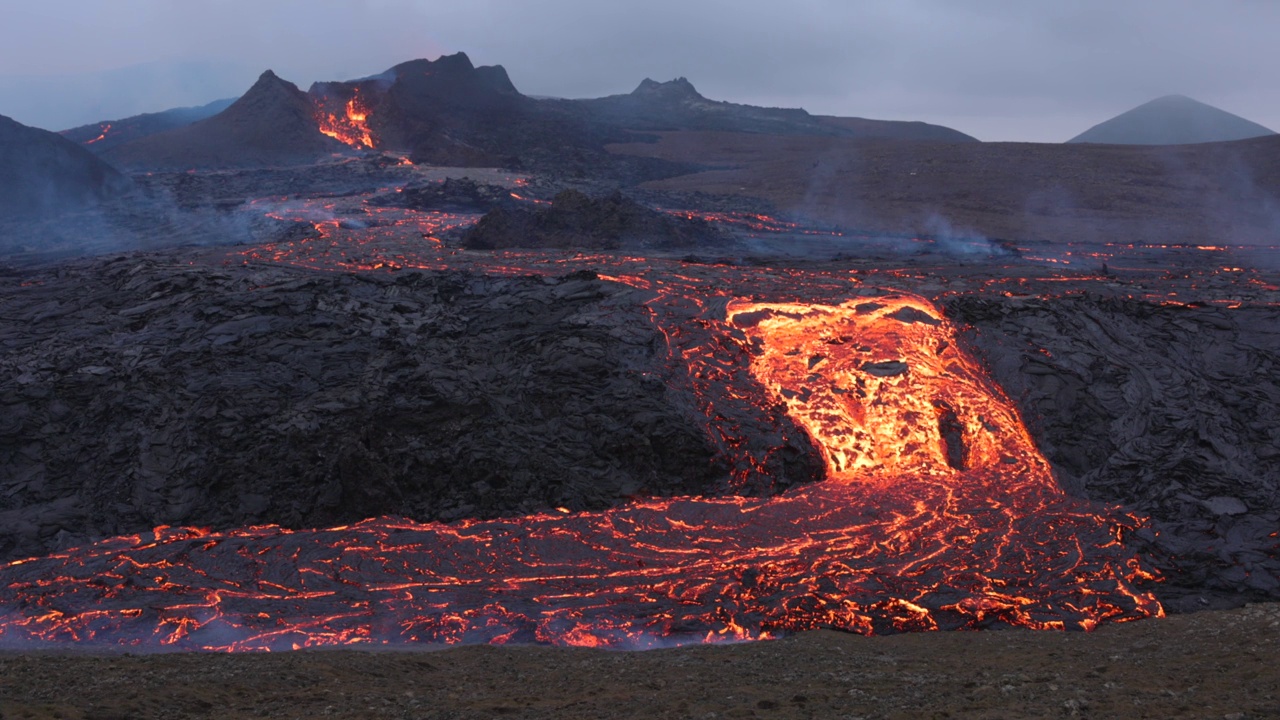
1205, 665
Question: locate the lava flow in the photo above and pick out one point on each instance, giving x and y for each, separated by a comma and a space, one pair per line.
349, 124
938, 513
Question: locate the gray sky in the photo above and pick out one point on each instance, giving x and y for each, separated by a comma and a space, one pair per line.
998, 69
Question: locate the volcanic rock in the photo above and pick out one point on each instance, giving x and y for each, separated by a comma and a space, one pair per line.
1172, 411
142, 391
575, 220
1172, 120
454, 195
274, 123
42, 173
102, 136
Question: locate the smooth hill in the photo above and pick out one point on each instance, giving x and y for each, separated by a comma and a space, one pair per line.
42, 173
1172, 120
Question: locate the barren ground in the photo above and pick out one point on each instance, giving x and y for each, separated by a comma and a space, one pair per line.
1206, 665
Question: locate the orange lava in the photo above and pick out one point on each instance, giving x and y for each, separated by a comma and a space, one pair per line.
938, 513
349, 125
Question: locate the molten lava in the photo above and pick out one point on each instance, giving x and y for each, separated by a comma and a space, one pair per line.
349, 125
938, 513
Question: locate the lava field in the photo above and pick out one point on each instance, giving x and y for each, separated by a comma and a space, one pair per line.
359, 433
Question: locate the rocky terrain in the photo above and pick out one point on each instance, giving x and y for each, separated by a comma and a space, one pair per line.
1170, 410
576, 220
142, 391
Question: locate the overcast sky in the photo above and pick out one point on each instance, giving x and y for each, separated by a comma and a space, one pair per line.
997, 69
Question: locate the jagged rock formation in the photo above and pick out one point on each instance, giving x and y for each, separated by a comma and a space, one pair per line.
1172, 120
143, 391
102, 136
575, 220
272, 124
42, 173
1173, 411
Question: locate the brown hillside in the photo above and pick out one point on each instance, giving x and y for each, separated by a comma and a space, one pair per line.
1212, 193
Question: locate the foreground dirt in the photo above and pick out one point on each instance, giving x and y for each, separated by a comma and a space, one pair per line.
1207, 665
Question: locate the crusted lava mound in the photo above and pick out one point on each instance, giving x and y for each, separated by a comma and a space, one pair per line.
451, 194
1172, 410
143, 392
575, 220
42, 173
274, 123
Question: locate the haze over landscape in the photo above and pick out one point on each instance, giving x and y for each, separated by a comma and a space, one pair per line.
995, 69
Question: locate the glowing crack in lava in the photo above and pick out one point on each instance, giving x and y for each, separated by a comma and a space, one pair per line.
349, 125
939, 513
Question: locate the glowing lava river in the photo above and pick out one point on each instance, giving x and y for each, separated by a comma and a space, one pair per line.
937, 512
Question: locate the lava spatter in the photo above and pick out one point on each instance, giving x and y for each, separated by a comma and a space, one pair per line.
897, 538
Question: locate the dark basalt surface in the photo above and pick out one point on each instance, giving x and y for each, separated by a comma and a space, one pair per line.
145, 390
576, 220
1173, 411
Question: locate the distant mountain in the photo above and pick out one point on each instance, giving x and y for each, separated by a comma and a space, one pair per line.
450, 112
1172, 120
677, 105
274, 123
54, 102
42, 173
102, 136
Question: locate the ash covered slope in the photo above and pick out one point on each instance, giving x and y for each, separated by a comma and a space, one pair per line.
1172, 120
102, 136
143, 391
272, 124
42, 173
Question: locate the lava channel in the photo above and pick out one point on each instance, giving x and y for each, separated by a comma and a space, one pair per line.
938, 514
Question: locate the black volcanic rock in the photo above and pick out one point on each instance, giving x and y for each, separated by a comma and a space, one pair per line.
1172, 411
1172, 120
42, 173
575, 220
274, 123
141, 391
102, 136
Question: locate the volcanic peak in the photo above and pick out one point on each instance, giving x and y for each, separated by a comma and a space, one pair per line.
456, 68
1172, 120
678, 89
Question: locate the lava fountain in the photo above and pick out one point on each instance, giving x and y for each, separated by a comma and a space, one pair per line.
938, 513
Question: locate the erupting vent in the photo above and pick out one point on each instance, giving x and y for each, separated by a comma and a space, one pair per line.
939, 513
348, 123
